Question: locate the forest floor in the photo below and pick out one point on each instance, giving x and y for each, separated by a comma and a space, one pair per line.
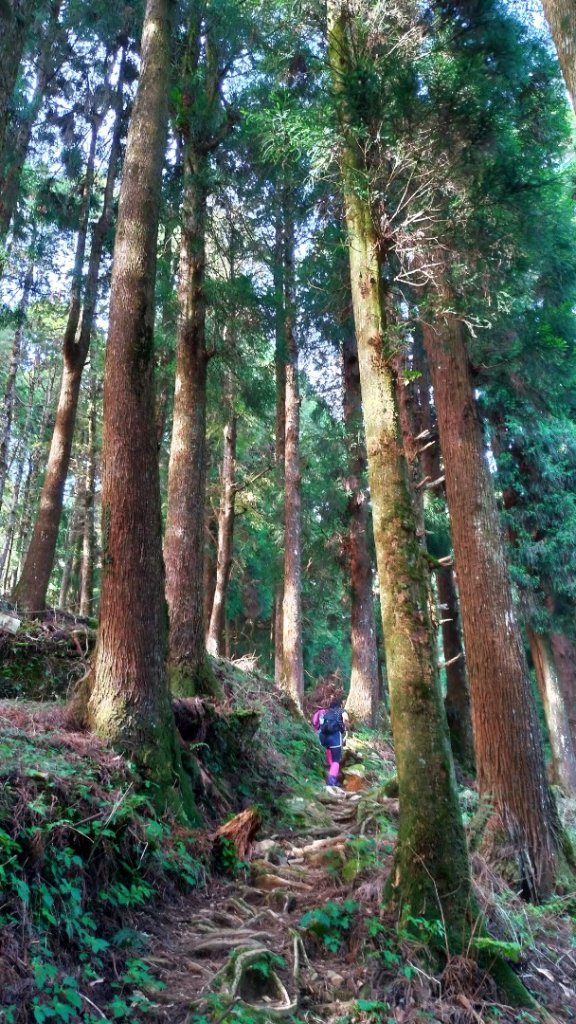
109, 913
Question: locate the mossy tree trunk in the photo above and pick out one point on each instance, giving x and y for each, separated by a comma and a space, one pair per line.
130, 702
362, 702
431, 872
509, 757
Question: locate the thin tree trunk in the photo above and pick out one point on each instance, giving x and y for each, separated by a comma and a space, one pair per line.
130, 702
75, 530
18, 150
292, 663
509, 756
559, 731
30, 592
431, 872
88, 536
11, 524
280, 440
225, 526
561, 17
362, 702
25, 522
75, 579
7, 411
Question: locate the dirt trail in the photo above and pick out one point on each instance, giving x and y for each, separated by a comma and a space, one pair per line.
260, 914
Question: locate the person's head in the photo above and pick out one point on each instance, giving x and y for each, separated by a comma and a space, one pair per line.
336, 702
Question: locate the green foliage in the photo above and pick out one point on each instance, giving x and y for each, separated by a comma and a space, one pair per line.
81, 850
361, 855
228, 861
497, 947
331, 923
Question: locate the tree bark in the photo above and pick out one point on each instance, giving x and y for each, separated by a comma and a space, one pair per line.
184, 537
10, 387
10, 531
75, 530
130, 702
202, 128
509, 756
431, 870
564, 651
292, 663
10, 180
225, 527
561, 17
88, 534
362, 702
457, 699
559, 731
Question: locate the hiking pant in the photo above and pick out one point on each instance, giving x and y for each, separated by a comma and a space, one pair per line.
333, 759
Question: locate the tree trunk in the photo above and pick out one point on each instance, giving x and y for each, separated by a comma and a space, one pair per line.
10, 531
292, 663
18, 151
362, 702
561, 17
564, 652
559, 732
88, 536
10, 387
509, 756
75, 529
30, 591
431, 871
225, 527
130, 702
280, 440
184, 538
25, 523
32, 586
15, 20
457, 699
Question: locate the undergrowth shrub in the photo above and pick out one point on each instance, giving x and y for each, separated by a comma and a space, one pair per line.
81, 850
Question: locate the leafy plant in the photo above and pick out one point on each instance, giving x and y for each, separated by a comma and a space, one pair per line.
331, 923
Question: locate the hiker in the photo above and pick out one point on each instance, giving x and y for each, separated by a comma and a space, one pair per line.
330, 724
